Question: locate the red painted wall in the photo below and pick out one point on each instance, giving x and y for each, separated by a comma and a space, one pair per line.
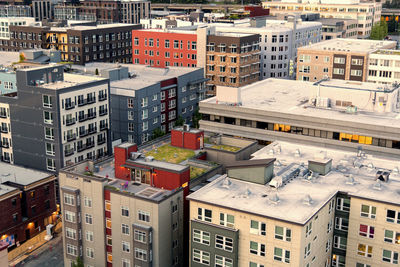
257, 11
176, 138
192, 140
170, 180
158, 58
120, 157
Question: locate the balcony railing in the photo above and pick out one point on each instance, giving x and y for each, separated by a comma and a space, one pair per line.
89, 145
91, 115
103, 112
69, 122
69, 152
3, 115
92, 130
5, 159
4, 130
103, 126
102, 97
71, 137
69, 106
101, 141
81, 148
5, 144
83, 133
82, 102
83, 118
91, 100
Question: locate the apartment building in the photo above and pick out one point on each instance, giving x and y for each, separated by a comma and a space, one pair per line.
145, 98
43, 9
330, 113
366, 13
345, 59
140, 210
28, 202
383, 66
6, 22
78, 44
301, 206
125, 11
15, 11
67, 120
338, 28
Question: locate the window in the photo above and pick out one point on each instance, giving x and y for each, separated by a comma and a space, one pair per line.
140, 236
338, 71
328, 245
89, 236
367, 231
392, 237
88, 219
223, 242
392, 216
364, 250
357, 61
194, 45
201, 257
390, 256
145, 102
88, 202
257, 228
70, 233
49, 133
126, 263
343, 204
309, 229
338, 260
130, 102
47, 101
257, 248
227, 220
326, 59
90, 253
72, 250
131, 126
253, 264
130, 115
341, 224
307, 250
281, 255
331, 205
140, 254
368, 211
69, 199
283, 233
125, 229
362, 265
223, 261
340, 242
356, 72
339, 60
201, 237
204, 214
48, 117
126, 246
143, 216
125, 211
70, 216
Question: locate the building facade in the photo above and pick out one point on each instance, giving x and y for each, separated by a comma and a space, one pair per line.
29, 197
6, 22
338, 28
68, 119
383, 66
43, 9
338, 59
15, 11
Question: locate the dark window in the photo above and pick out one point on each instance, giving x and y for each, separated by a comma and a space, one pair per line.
335, 135
47, 204
14, 202
47, 190
15, 217
229, 120
33, 210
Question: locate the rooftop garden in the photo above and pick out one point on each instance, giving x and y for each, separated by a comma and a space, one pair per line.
170, 153
221, 146
196, 172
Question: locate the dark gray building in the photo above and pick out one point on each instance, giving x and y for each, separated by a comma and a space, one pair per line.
55, 119
43, 9
146, 98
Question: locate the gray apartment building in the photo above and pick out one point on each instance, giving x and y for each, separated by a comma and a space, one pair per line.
146, 98
15, 11
43, 9
54, 119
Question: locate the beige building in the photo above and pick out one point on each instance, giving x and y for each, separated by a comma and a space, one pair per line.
344, 59
367, 14
298, 205
113, 222
384, 66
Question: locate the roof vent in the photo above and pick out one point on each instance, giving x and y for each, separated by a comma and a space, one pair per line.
308, 200
246, 194
278, 163
382, 176
274, 199
149, 159
396, 170
135, 155
226, 183
278, 149
378, 185
271, 152
350, 180
370, 166
186, 127
297, 153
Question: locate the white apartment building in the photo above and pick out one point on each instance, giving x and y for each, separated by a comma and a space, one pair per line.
367, 14
384, 67
6, 22
279, 41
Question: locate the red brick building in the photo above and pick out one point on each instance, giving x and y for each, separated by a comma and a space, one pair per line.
187, 137
162, 49
29, 198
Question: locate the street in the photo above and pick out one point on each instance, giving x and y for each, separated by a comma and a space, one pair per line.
48, 255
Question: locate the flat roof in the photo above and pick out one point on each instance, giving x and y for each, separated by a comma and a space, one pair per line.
7, 58
291, 97
86, 27
20, 175
71, 80
350, 45
300, 198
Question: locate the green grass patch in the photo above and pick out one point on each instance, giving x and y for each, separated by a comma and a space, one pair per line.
226, 148
171, 154
196, 172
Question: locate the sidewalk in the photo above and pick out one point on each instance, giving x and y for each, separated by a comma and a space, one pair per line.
34, 246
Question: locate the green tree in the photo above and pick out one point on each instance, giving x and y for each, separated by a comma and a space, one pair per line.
196, 118
157, 133
21, 57
179, 121
77, 263
379, 31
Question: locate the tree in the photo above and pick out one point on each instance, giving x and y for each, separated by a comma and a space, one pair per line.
77, 263
379, 31
196, 118
21, 57
157, 133
179, 121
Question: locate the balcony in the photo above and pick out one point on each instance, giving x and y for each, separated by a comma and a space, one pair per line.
82, 102
92, 130
83, 118
103, 112
68, 152
89, 145
102, 97
4, 130
3, 115
69, 106
101, 141
83, 133
81, 148
103, 127
91, 100
5, 144
69, 122
5, 159
71, 137
91, 115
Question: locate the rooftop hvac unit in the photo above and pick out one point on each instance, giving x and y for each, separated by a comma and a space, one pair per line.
186, 127
382, 176
135, 155
323, 102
